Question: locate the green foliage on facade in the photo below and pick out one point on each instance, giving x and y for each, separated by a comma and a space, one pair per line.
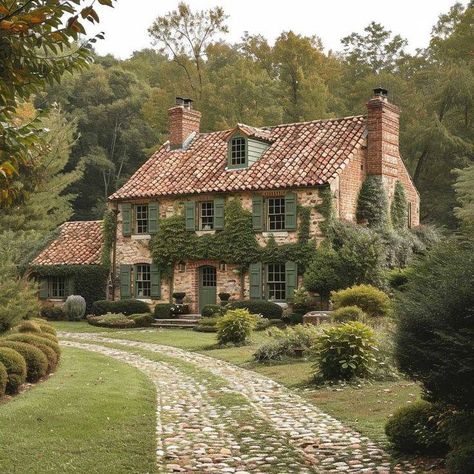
109, 226
372, 203
325, 208
399, 207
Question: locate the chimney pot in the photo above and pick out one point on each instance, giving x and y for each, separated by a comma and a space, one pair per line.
380, 92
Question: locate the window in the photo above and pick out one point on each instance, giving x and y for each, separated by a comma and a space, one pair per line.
56, 287
206, 215
141, 218
276, 282
238, 152
143, 281
276, 213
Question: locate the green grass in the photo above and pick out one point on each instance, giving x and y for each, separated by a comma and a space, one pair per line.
94, 415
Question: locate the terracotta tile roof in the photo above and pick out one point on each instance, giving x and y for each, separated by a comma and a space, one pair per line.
300, 154
253, 132
78, 243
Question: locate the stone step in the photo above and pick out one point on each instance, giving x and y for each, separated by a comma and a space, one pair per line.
187, 316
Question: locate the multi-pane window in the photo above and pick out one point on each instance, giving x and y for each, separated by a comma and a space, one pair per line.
56, 287
141, 219
276, 282
143, 281
276, 213
238, 152
206, 215
208, 275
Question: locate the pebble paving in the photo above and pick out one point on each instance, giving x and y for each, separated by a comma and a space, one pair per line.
243, 423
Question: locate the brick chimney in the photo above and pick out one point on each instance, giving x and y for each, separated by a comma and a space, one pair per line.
382, 135
183, 122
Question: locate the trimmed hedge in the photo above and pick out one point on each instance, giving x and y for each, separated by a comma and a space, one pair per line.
267, 309
348, 313
36, 361
117, 321
28, 326
49, 354
207, 324
126, 307
371, 300
45, 327
15, 365
47, 335
142, 320
3, 379
211, 310
163, 310
38, 339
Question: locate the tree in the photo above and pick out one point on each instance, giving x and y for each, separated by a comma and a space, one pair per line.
185, 35
372, 203
464, 188
35, 40
399, 207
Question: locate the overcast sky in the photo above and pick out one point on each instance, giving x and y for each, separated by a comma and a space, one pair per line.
126, 25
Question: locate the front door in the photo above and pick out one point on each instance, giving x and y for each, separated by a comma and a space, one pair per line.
207, 286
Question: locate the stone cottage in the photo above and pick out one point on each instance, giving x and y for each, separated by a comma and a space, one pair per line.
273, 171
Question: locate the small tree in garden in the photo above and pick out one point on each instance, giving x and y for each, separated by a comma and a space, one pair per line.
236, 326
372, 203
399, 207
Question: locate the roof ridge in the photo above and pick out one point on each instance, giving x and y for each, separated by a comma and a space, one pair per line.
336, 119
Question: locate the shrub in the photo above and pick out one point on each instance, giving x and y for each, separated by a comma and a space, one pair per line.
163, 310
47, 335
211, 310
263, 324
125, 307
49, 353
16, 369
75, 307
112, 320
414, 428
267, 309
372, 202
36, 361
285, 342
45, 327
461, 460
177, 309
3, 379
53, 313
374, 302
295, 318
344, 351
348, 313
142, 320
434, 339
399, 207
236, 326
398, 278
29, 326
207, 324
36, 339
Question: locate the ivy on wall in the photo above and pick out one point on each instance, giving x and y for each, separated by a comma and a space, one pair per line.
109, 226
399, 207
237, 244
325, 208
90, 281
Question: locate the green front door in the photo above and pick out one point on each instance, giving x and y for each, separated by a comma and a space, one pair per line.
207, 286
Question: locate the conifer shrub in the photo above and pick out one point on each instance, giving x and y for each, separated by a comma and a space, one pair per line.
236, 326
29, 326
348, 313
15, 366
344, 351
45, 327
34, 339
3, 379
126, 307
374, 302
399, 207
372, 202
75, 307
267, 309
36, 361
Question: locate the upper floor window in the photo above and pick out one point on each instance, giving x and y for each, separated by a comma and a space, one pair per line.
276, 213
238, 152
141, 219
206, 215
142, 281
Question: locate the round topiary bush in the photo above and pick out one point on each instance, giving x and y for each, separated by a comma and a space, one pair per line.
267, 309
45, 327
414, 429
50, 337
236, 326
36, 339
28, 326
344, 351
16, 369
211, 310
125, 307
3, 379
49, 354
75, 307
371, 300
348, 313
36, 361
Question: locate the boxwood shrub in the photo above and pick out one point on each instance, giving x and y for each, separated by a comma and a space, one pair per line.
3, 379
267, 309
369, 299
36, 361
16, 369
36, 339
125, 307
142, 320
207, 324
49, 353
112, 320
163, 310
47, 335
211, 310
348, 313
45, 327
28, 326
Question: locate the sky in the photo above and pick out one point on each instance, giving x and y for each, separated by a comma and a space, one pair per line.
126, 25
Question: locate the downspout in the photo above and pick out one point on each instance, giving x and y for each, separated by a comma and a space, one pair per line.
114, 253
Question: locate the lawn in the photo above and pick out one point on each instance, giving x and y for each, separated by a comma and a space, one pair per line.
93, 415
365, 407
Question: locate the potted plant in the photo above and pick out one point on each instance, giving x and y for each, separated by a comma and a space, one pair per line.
179, 296
224, 297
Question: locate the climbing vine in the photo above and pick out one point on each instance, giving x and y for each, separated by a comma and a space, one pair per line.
109, 225
372, 203
325, 208
399, 207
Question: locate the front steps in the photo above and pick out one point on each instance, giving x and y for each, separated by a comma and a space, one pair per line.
181, 321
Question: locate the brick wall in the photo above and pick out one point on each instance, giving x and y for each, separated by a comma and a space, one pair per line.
182, 122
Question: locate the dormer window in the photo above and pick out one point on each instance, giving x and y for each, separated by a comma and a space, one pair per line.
238, 152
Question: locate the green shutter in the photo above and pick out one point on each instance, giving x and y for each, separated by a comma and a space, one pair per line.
69, 286
290, 211
257, 213
125, 274
190, 215
126, 219
255, 276
291, 277
155, 291
219, 213
43, 289
153, 217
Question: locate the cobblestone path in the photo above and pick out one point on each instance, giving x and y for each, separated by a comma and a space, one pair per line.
215, 417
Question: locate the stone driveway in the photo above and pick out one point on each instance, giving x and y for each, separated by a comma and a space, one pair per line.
215, 417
